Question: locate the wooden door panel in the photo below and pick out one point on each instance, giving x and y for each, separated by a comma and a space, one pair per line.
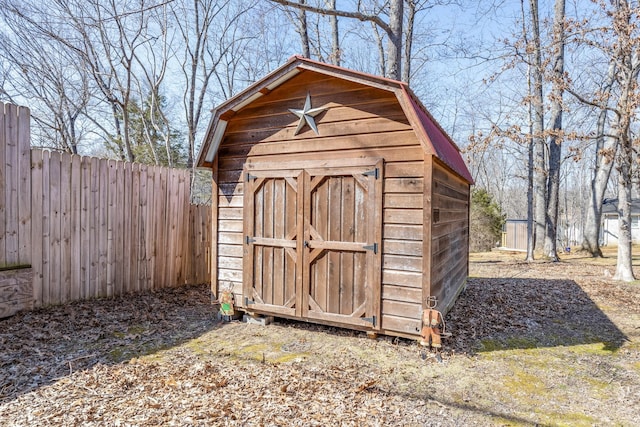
271, 229
342, 235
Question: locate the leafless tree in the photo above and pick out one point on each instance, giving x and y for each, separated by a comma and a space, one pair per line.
555, 137
48, 76
393, 27
208, 30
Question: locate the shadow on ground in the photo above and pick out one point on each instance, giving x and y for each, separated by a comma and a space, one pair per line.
507, 313
43, 346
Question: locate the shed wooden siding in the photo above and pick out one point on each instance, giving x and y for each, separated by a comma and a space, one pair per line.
449, 235
360, 122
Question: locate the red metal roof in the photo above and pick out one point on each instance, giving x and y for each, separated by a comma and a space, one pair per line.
444, 148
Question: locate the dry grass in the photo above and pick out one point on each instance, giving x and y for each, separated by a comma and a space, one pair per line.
533, 344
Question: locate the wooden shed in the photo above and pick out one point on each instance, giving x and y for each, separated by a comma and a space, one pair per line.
337, 199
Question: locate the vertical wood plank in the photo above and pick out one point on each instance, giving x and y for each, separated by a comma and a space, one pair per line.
119, 230
376, 269
134, 236
279, 212
112, 191
85, 229
258, 230
36, 225
334, 227
213, 224
94, 228
171, 245
290, 228
359, 261
250, 230
160, 214
303, 272
426, 221
76, 228
103, 227
144, 254
55, 232
11, 189
347, 235
46, 227
3, 186
321, 208
268, 218
24, 185
127, 236
185, 244
65, 228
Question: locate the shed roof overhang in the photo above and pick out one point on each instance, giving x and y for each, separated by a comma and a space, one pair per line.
433, 138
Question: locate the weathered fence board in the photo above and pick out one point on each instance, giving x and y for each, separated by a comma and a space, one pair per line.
15, 190
15, 210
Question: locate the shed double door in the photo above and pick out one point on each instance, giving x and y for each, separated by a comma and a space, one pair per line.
312, 237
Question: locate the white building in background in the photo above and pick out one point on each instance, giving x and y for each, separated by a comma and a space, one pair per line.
610, 220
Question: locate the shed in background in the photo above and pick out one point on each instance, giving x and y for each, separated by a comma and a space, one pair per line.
610, 227
337, 199
514, 235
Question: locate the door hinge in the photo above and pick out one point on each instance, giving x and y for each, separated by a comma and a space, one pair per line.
248, 301
371, 320
249, 240
250, 177
374, 172
373, 248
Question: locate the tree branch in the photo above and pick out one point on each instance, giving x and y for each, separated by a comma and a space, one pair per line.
341, 13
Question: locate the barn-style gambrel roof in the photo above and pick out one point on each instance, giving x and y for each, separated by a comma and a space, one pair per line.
432, 137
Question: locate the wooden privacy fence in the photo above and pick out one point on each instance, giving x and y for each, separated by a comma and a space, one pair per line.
93, 227
103, 228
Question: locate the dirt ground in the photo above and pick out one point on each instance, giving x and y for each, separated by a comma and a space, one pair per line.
532, 344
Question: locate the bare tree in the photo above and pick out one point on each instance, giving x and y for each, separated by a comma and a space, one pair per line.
625, 33
537, 120
620, 41
393, 27
555, 134
48, 76
605, 151
203, 26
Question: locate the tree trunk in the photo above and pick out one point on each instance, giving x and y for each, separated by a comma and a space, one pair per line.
408, 40
626, 107
555, 139
394, 46
531, 237
539, 160
606, 148
624, 270
303, 30
591, 234
335, 35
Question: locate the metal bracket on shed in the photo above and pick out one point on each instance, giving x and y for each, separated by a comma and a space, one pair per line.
249, 240
250, 177
373, 248
371, 320
248, 301
374, 172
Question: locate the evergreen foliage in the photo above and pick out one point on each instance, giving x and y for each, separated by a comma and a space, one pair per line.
485, 222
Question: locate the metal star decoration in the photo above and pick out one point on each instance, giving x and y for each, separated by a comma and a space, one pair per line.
306, 115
